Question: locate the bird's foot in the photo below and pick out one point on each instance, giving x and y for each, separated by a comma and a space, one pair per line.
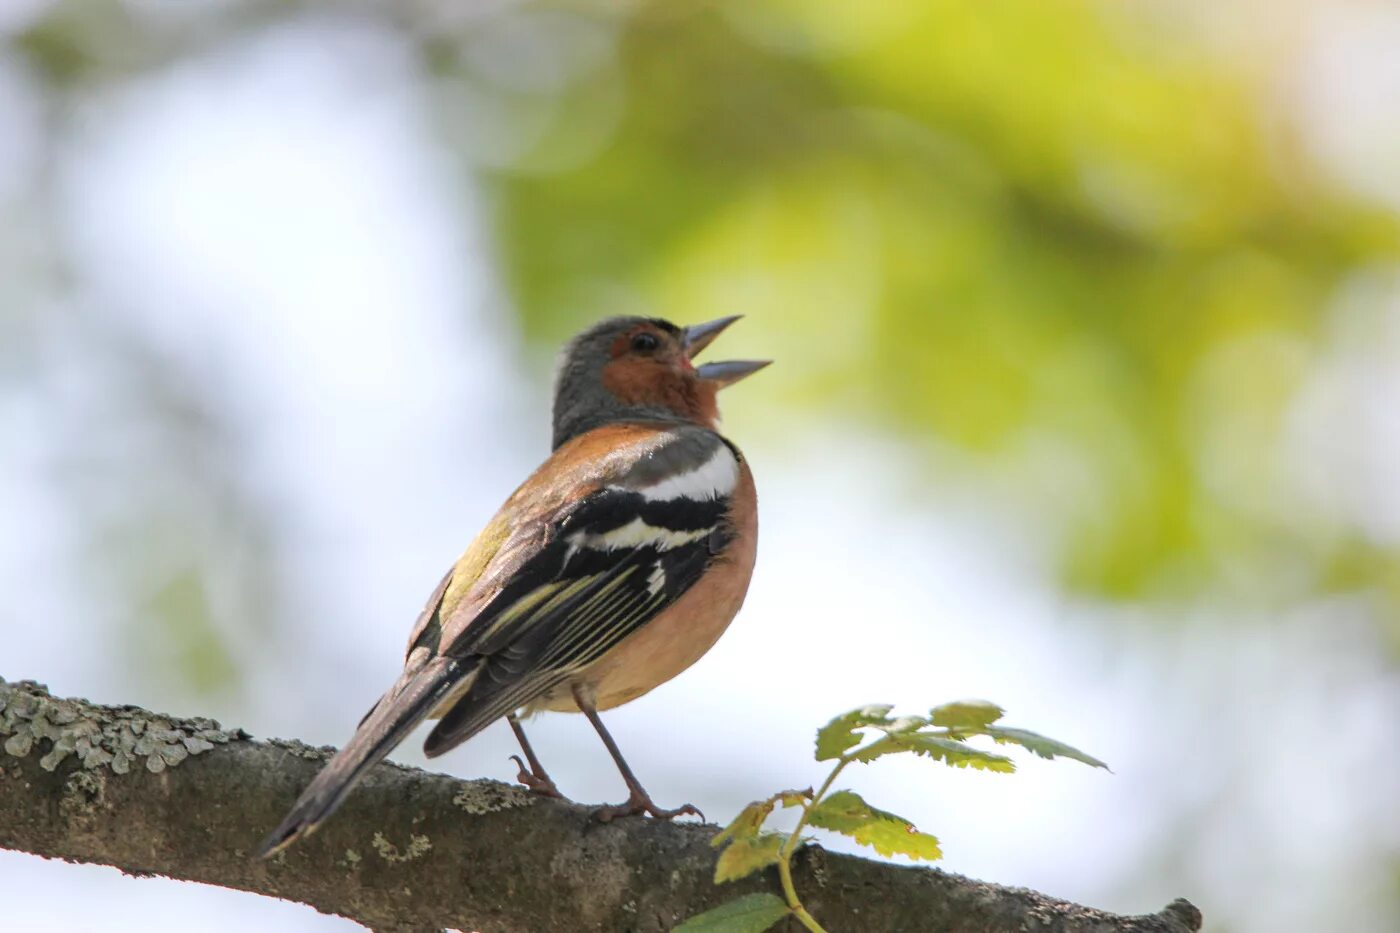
537, 782
639, 803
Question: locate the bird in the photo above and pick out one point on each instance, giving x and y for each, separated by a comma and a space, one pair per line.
613, 567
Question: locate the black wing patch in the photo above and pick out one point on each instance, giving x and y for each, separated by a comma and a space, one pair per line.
608, 567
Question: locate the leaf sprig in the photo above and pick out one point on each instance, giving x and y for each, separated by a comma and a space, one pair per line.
861, 736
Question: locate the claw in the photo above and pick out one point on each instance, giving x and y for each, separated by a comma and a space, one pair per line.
638, 804
540, 784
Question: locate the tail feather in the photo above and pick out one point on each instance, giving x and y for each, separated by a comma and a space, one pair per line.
406, 704
472, 713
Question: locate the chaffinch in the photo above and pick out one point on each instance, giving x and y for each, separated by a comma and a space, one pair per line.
613, 568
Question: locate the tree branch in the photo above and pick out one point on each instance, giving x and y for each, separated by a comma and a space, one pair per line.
183, 798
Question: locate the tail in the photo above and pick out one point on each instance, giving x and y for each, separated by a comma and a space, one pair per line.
406, 704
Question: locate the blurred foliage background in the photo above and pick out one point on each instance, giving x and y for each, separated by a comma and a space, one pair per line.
1109, 289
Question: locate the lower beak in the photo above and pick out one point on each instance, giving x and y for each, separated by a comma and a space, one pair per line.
699, 336
730, 371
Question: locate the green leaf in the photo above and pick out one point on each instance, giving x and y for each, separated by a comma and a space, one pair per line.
752, 913
846, 813
903, 724
843, 812
745, 856
834, 738
747, 824
750, 819
793, 798
966, 714
949, 751
1040, 745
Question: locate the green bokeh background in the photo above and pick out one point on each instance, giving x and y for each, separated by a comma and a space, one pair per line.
1074, 243
1079, 262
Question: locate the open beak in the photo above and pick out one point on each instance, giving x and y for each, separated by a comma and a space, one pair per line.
699, 336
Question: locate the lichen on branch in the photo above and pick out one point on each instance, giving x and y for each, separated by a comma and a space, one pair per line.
115, 737
185, 798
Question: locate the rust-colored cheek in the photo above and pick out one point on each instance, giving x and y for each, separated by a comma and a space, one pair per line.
650, 382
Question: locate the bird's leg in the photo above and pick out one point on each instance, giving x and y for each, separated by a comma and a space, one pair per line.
638, 800
533, 777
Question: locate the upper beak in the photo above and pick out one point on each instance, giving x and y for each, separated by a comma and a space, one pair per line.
699, 336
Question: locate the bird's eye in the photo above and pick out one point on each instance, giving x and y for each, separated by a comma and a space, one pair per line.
645, 342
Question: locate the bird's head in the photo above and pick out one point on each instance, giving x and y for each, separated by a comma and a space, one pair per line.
633, 368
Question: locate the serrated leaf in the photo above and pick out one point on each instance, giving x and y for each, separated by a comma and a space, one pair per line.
747, 824
793, 798
966, 714
834, 738
743, 857
842, 811
750, 819
903, 724
949, 751
845, 812
1040, 745
752, 913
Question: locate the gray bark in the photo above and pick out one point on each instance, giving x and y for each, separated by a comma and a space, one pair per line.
184, 798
